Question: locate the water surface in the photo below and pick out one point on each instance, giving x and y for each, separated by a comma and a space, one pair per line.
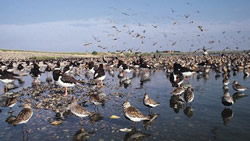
205, 119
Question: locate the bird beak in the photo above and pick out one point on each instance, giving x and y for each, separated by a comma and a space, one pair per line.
193, 68
86, 66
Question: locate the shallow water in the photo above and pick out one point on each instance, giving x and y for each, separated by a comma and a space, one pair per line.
203, 122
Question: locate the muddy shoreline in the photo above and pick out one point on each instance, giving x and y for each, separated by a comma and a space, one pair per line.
15, 55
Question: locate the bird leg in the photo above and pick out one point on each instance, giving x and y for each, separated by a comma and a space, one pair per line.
26, 129
185, 79
66, 92
23, 134
6, 88
95, 108
36, 82
124, 74
102, 84
133, 125
81, 122
150, 111
10, 111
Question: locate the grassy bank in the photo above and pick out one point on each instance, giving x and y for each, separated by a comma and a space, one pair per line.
42, 55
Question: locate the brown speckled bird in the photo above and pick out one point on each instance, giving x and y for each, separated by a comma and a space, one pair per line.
238, 87
133, 114
78, 110
178, 91
189, 95
149, 101
24, 115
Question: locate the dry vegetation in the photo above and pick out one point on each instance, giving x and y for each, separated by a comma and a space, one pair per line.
21, 54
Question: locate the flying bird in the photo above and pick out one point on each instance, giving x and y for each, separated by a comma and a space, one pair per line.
154, 43
97, 40
211, 42
137, 35
101, 47
226, 48
196, 50
172, 10
142, 37
201, 28
87, 44
142, 42
186, 16
118, 31
126, 14
155, 26
174, 43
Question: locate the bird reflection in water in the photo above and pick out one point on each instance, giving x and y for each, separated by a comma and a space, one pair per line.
82, 135
148, 123
189, 111
125, 82
238, 95
95, 117
10, 119
227, 115
177, 103
145, 76
136, 135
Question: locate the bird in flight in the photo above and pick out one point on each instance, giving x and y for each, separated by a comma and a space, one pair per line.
186, 16
87, 44
172, 10
201, 28
155, 26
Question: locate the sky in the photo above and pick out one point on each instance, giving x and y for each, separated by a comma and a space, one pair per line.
111, 25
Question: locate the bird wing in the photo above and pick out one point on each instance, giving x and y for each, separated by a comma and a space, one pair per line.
96, 74
68, 79
23, 115
184, 69
81, 110
133, 112
238, 86
152, 101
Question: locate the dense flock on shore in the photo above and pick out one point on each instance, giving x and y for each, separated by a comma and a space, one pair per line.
73, 82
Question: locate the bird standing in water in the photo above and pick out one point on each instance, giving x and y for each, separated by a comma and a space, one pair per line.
78, 110
99, 74
149, 102
64, 80
189, 95
238, 87
24, 115
132, 113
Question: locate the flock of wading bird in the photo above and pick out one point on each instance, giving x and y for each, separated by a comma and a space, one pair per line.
64, 71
